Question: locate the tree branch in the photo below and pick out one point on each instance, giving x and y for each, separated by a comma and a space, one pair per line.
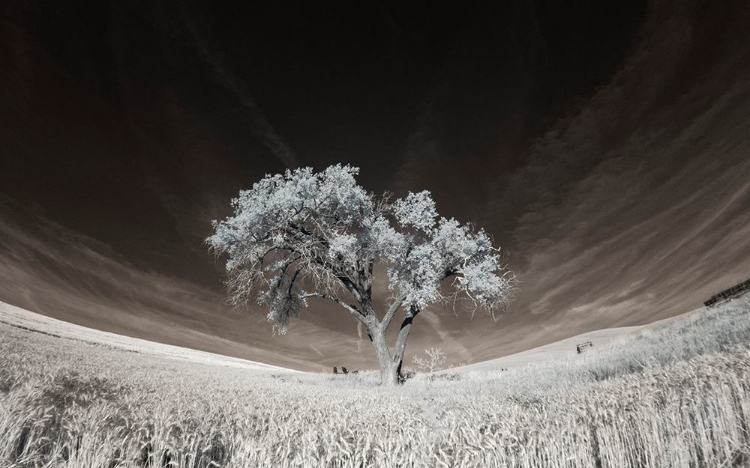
357, 290
291, 283
449, 272
403, 334
352, 310
341, 276
391, 312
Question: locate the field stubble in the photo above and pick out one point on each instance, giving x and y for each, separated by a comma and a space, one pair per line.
678, 397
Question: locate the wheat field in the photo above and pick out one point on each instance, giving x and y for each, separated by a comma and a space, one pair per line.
675, 397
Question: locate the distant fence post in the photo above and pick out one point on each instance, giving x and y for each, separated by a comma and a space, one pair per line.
728, 294
581, 347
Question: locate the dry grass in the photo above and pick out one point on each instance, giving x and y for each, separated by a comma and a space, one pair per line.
65, 403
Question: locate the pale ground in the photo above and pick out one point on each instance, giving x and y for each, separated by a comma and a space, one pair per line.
18, 317
565, 348
22, 318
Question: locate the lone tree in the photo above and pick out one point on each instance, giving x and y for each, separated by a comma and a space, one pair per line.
307, 235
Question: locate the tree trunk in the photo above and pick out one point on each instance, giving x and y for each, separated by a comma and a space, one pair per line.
388, 369
390, 366
403, 334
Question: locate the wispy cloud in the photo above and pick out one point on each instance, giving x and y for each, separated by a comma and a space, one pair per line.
625, 211
257, 119
60, 273
636, 205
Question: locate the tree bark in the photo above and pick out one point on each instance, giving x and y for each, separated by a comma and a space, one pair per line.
388, 369
390, 365
403, 334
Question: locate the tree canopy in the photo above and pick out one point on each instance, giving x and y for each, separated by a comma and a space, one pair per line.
304, 234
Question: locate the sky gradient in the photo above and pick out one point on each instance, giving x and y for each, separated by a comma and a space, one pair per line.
605, 148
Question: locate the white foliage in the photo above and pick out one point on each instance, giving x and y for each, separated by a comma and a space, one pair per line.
417, 276
434, 361
343, 246
417, 210
380, 239
305, 234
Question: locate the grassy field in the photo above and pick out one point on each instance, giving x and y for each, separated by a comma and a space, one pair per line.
678, 396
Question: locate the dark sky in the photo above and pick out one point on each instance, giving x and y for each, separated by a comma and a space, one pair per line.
603, 144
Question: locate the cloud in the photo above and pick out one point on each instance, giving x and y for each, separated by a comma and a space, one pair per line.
259, 122
633, 207
57, 272
625, 210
